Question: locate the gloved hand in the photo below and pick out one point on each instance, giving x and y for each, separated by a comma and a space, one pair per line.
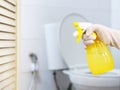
107, 35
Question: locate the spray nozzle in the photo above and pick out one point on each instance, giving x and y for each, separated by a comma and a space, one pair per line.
78, 34
81, 30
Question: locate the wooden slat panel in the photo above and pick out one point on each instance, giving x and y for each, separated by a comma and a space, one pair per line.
7, 5
5, 44
7, 66
7, 13
13, 2
6, 59
7, 74
6, 82
7, 21
10, 87
6, 28
8, 44
7, 51
8, 36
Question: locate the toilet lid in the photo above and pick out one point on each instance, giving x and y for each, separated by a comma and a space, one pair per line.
73, 54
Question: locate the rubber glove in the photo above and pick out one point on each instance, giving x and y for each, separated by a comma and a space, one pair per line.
107, 35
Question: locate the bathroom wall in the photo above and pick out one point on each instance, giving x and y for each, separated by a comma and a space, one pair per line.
32, 41
34, 15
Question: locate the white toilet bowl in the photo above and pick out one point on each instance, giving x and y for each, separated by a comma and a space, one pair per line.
84, 80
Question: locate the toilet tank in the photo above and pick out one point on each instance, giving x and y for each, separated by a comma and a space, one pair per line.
54, 58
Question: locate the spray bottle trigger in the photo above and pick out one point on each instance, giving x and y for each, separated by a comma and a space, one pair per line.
80, 33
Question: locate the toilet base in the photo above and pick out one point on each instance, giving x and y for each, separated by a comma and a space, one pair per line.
81, 87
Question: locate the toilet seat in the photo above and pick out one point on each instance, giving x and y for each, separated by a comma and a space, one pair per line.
86, 72
84, 77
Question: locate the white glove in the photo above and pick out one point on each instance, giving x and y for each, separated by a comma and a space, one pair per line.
107, 35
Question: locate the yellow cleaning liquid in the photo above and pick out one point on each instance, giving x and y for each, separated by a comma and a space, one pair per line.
99, 57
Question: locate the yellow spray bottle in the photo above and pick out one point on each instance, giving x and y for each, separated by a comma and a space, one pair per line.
98, 55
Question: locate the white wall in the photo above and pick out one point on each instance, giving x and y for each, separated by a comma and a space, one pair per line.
36, 13
32, 40
115, 14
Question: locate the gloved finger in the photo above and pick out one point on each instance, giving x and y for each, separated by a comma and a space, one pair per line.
89, 30
88, 42
88, 37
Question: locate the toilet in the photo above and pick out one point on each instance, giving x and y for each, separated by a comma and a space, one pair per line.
82, 79
74, 57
